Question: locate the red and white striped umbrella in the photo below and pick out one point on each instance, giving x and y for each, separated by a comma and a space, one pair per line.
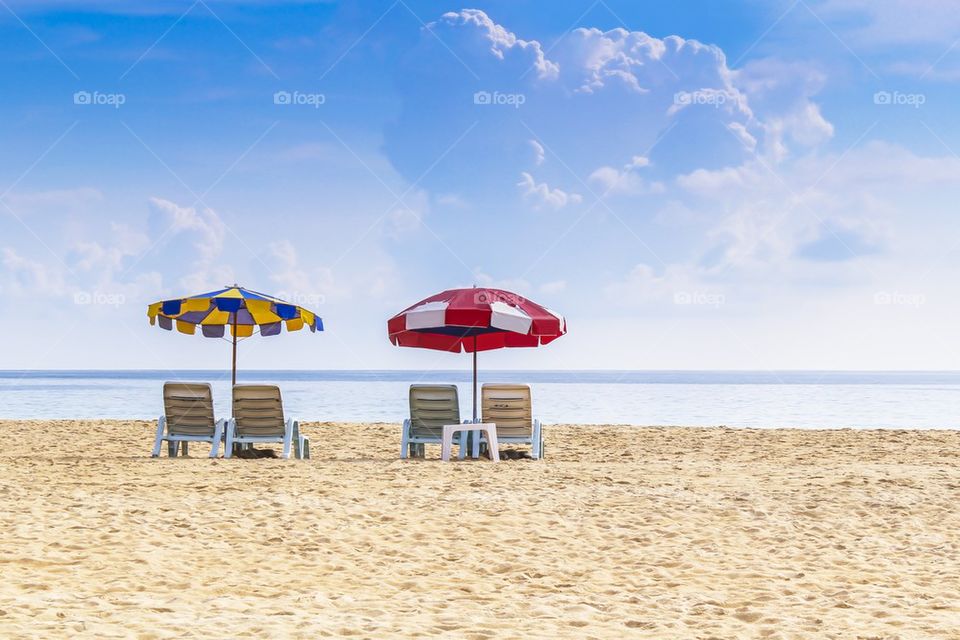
473, 320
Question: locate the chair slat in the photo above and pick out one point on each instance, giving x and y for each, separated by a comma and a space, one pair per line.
510, 407
188, 407
431, 407
258, 410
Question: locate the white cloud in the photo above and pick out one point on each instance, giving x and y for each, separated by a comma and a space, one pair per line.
680, 285
625, 181
407, 216
450, 200
885, 22
22, 202
538, 152
22, 275
543, 195
309, 287
501, 41
204, 231
204, 223
850, 206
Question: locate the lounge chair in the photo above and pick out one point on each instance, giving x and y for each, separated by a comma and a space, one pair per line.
187, 417
258, 417
510, 407
431, 407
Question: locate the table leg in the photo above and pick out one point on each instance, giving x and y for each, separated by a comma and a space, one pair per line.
492, 446
446, 442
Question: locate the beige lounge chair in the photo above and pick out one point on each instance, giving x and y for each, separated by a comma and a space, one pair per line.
431, 407
258, 417
187, 417
510, 407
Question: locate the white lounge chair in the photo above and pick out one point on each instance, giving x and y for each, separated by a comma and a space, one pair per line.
187, 417
431, 407
510, 407
258, 417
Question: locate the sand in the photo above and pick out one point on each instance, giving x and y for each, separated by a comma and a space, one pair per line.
621, 532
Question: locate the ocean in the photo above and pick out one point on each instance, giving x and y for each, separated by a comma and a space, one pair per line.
804, 399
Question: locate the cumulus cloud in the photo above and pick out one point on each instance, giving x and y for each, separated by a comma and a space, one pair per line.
824, 207
541, 194
501, 42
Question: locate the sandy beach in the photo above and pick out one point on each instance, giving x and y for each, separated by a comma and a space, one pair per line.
639, 532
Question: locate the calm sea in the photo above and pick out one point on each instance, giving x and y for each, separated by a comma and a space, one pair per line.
806, 399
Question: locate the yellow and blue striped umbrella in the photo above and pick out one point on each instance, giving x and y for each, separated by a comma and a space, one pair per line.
240, 309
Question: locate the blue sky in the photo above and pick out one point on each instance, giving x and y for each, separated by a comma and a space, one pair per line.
731, 185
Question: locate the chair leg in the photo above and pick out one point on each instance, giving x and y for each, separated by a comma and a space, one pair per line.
183, 448
536, 442
287, 441
405, 447
217, 437
228, 447
158, 442
172, 447
297, 452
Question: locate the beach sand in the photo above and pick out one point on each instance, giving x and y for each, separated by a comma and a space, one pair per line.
621, 532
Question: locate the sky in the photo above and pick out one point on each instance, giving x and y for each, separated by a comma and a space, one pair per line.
693, 185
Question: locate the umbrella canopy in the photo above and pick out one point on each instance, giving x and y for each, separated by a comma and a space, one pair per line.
242, 310
472, 320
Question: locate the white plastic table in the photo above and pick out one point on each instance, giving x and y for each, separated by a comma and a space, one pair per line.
446, 444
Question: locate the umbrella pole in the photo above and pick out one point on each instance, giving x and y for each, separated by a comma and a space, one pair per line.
474, 378
234, 378
236, 447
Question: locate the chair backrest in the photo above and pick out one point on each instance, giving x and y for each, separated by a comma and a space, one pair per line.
510, 407
188, 408
258, 410
431, 407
